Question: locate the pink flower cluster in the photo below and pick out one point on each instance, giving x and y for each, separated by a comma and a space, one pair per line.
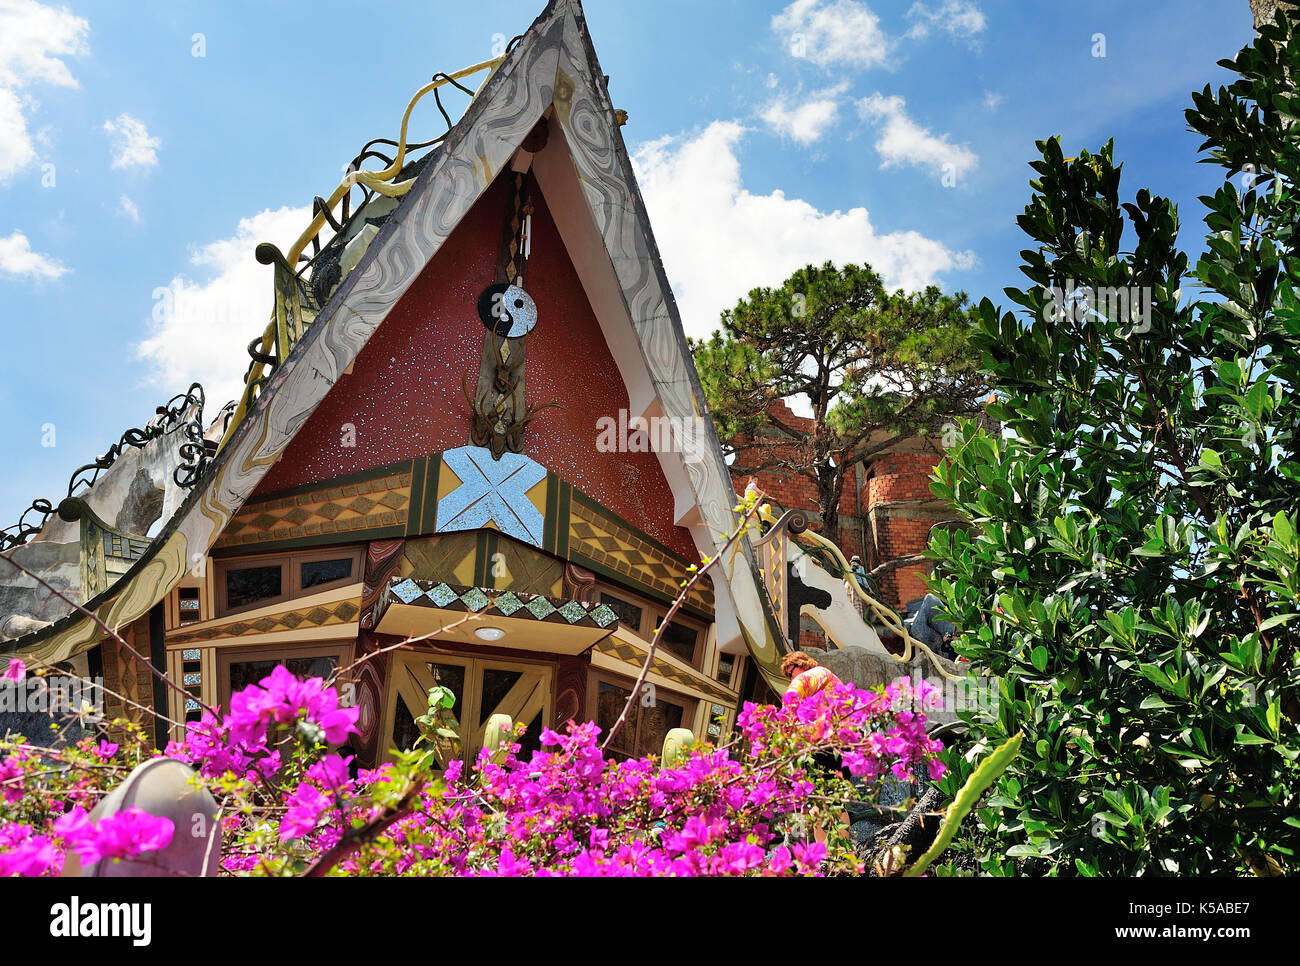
327, 780
570, 811
239, 743
13, 774
122, 835
567, 809
23, 852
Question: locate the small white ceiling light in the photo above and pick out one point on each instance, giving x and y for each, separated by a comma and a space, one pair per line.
489, 633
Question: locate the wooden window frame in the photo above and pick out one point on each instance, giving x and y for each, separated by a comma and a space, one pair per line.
736, 660
690, 706
701, 633
340, 650
652, 612
290, 575
298, 559
645, 607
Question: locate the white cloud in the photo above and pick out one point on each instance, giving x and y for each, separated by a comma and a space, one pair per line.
808, 121
719, 241
133, 147
16, 151
18, 259
839, 32
903, 141
33, 38
201, 330
992, 101
129, 208
957, 18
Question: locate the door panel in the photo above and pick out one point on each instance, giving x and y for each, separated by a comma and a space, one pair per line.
519, 690
415, 676
482, 688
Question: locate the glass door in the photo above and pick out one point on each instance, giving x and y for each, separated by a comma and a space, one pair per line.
482, 687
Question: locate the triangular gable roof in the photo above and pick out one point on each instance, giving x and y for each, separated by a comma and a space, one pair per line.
554, 65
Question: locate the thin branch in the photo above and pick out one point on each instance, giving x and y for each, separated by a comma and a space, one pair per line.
672, 611
114, 635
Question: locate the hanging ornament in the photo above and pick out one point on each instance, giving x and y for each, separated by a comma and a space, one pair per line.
508, 313
507, 310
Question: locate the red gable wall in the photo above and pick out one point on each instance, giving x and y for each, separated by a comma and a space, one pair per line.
405, 394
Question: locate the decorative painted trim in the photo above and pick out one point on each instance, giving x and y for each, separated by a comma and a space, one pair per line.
373, 507
632, 656
492, 491
322, 615
441, 595
341, 605
608, 545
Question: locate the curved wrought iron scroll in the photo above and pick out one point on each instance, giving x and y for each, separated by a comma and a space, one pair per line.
195, 453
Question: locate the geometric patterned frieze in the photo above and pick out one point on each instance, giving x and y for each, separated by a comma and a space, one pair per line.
317, 615
508, 603
622, 651
407, 590
487, 601
607, 542
342, 509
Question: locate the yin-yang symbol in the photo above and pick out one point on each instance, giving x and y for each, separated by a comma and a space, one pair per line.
507, 310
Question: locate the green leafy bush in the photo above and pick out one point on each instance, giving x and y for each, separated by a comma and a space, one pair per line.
1131, 566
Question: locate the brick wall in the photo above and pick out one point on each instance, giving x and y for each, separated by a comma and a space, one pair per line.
901, 525
879, 507
797, 491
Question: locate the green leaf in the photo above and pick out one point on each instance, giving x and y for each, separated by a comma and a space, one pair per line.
1276, 620
983, 776
1282, 529
1257, 398
1229, 371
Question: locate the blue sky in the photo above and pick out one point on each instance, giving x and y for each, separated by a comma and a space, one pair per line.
766, 135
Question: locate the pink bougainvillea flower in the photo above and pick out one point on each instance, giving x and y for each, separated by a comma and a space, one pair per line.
73, 826
331, 772
305, 808
283, 699
12, 775
106, 749
122, 835
25, 854
133, 831
779, 861
16, 671
810, 855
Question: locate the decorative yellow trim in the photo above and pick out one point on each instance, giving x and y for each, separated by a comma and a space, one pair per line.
332, 509
377, 181
298, 618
